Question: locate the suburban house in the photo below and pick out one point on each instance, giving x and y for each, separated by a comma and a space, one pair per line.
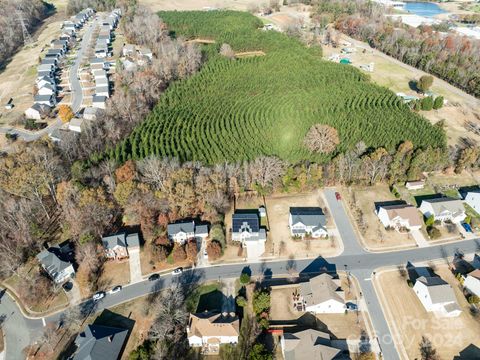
91, 113
443, 209
472, 199
98, 342
246, 229
99, 101
322, 294
399, 216
49, 61
44, 80
209, 330
307, 221
435, 294
102, 90
116, 246
101, 81
47, 89
55, 52
76, 125
48, 100
309, 344
472, 282
415, 185
97, 63
37, 111
56, 262
181, 232
99, 73
47, 68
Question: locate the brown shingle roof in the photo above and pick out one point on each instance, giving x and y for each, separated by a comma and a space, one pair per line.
408, 212
214, 324
321, 288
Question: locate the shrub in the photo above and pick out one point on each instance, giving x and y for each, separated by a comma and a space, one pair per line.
433, 232
244, 278
179, 253
410, 283
427, 103
468, 219
214, 250
424, 83
261, 301
241, 301
438, 102
430, 221
191, 249
473, 299
218, 234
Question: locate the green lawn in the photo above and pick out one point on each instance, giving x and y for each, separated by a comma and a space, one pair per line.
239, 109
205, 297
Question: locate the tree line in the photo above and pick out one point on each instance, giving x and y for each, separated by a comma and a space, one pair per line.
75, 6
11, 33
453, 58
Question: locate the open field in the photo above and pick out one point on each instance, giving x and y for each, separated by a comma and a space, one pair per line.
181, 5
237, 116
115, 273
361, 206
278, 208
18, 78
408, 319
460, 110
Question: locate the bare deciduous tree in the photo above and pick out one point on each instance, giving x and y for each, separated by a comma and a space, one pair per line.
227, 51
322, 138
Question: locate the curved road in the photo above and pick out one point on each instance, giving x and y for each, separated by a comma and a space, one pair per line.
21, 331
76, 91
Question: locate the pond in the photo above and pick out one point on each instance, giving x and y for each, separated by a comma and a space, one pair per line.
424, 8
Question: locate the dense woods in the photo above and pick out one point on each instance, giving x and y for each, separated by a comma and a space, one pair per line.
451, 57
239, 109
11, 34
75, 6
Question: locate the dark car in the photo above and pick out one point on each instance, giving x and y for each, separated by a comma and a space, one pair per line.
153, 277
116, 289
337, 195
68, 286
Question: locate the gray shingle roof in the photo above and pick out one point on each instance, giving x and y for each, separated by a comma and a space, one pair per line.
51, 261
133, 240
440, 291
100, 342
441, 204
109, 242
309, 216
186, 227
308, 345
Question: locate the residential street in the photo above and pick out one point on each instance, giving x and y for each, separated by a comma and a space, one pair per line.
361, 264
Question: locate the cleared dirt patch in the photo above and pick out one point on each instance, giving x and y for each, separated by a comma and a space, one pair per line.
409, 320
361, 207
115, 273
201, 41
180, 5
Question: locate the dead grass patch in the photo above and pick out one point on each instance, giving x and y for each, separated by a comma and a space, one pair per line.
249, 54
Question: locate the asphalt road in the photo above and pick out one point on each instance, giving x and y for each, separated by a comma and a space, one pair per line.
21, 331
76, 92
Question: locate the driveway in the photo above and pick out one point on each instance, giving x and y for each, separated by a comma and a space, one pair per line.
419, 238
135, 267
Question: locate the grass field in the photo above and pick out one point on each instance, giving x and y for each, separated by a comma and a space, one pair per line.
240, 109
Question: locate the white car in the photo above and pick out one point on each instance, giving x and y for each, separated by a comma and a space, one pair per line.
99, 295
177, 271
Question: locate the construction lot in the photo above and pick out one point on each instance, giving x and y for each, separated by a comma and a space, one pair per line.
361, 208
409, 321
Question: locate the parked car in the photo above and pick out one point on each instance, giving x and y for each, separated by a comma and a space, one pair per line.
337, 195
153, 277
205, 254
99, 295
116, 289
177, 271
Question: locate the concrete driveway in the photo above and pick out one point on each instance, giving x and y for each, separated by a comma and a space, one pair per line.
419, 238
135, 267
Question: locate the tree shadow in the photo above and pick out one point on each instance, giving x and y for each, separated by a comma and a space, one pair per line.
247, 270
412, 84
211, 301
420, 198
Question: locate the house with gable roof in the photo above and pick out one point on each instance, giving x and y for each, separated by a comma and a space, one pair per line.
307, 221
399, 216
323, 294
55, 261
116, 246
98, 342
443, 209
181, 232
246, 229
308, 345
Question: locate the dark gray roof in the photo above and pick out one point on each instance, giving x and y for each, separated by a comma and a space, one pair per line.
109, 242
52, 262
97, 98
100, 342
251, 219
54, 51
42, 98
96, 60
186, 227
201, 229
309, 216
133, 240
49, 61
40, 107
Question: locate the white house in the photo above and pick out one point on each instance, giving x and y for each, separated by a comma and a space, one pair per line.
76, 125
181, 232
91, 113
472, 199
443, 209
323, 294
47, 89
42, 81
437, 296
415, 185
472, 282
399, 216
246, 229
54, 262
37, 111
209, 330
307, 221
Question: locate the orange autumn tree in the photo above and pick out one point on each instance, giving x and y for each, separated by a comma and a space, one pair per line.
65, 113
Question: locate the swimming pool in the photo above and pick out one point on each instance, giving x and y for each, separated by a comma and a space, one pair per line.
427, 9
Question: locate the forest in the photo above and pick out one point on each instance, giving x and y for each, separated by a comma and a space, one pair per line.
453, 58
240, 108
11, 34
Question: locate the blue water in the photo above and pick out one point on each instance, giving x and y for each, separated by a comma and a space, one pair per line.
424, 8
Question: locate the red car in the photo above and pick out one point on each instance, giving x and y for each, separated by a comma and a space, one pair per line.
337, 195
